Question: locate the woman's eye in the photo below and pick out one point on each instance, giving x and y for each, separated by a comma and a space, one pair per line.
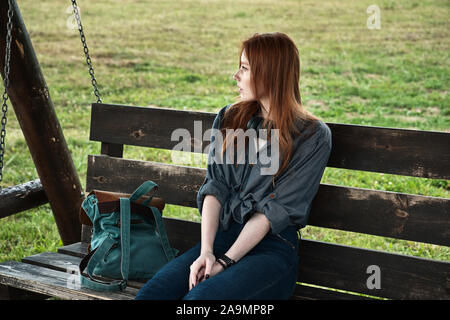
244, 68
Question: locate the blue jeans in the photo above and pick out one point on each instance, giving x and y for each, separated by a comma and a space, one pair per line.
268, 271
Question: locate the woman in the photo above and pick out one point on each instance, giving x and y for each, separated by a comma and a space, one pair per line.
254, 253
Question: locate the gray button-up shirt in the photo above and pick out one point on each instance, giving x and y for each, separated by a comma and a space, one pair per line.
243, 190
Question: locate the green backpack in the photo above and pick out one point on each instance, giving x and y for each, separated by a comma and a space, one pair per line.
129, 241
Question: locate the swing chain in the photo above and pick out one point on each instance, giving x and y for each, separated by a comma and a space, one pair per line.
6, 85
86, 51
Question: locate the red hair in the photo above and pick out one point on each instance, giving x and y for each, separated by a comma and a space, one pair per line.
275, 72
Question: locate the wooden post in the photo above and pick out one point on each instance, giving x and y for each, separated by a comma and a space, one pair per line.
33, 107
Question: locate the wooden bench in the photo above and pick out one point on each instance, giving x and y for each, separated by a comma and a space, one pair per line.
381, 213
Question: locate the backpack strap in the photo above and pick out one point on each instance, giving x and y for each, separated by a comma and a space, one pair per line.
143, 189
91, 260
168, 250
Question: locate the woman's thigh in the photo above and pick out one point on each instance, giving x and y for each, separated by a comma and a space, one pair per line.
259, 275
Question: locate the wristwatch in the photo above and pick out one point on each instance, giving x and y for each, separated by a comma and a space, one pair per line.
225, 261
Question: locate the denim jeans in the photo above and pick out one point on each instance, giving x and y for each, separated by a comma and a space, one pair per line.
268, 271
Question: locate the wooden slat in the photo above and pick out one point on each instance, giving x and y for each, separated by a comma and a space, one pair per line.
77, 249
149, 127
52, 283
69, 263
177, 184
381, 213
406, 152
54, 260
345, 268
377, 149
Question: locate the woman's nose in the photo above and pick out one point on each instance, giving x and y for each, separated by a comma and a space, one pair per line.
235, 76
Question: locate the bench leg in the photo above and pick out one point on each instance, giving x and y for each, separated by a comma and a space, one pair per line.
11, 293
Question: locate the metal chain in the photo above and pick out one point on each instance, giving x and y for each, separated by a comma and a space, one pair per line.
6, 85
86, 51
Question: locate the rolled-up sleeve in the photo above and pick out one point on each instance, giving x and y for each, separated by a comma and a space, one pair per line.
214, 183
289, 203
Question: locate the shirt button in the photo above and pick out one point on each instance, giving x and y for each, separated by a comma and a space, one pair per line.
272, 196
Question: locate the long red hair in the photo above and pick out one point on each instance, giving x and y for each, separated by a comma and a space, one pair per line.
275, 72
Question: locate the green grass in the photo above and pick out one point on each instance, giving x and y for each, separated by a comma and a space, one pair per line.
182, 54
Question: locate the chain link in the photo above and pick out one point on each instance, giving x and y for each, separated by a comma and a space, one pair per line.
7, 69
6, 85
86, 51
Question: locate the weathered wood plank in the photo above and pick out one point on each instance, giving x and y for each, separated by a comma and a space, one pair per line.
381, 213
389, 150
68, 263
129, 174
78, 249
344, 267
54, 260
406, 152
52, 283
149, 127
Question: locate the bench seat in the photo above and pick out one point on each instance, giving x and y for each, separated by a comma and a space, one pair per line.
53, 274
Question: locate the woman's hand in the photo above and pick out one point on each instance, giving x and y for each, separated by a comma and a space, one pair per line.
201, 273
201, 268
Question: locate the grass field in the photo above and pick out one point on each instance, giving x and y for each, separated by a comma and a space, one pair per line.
182, 54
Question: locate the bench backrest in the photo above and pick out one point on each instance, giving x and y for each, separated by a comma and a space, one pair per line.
389, 214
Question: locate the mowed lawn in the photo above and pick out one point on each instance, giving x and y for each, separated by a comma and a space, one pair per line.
182, 54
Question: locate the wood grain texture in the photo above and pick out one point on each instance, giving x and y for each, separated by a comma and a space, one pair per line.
52, 283
69, 262
381, 213
21, 197
406, 152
